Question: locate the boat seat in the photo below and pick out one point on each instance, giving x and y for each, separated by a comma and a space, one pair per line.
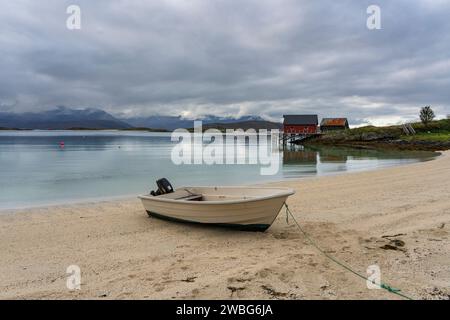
182, 195
193, 197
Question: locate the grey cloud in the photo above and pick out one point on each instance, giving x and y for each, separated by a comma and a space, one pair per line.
228, 57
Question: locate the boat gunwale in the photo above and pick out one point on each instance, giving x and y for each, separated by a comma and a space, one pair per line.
287, 192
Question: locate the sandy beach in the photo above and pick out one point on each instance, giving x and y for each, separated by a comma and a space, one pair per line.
397, 218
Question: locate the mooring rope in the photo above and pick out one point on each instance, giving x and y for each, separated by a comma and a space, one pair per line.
313, 243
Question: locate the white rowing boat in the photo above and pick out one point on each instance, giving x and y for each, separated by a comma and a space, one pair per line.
245, 208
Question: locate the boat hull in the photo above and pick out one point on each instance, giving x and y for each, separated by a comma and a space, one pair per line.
235, 210
241, 227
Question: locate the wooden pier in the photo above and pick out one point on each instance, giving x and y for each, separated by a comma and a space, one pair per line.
296, 138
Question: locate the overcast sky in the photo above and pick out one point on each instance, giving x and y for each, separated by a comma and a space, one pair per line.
228, 58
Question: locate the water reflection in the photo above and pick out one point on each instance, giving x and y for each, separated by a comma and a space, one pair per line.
301, 160
34, 169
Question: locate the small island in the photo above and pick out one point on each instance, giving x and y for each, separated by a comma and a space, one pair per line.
433, 136
427, 135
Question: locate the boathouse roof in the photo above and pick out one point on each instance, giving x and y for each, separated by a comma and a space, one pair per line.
301, 119
334, 122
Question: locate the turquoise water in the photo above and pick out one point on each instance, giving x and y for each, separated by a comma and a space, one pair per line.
36, 170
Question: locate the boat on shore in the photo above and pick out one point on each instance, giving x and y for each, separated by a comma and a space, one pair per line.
243, 208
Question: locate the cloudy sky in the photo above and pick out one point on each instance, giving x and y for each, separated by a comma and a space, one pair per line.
228, 58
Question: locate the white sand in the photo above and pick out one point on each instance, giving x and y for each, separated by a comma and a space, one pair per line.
124, 254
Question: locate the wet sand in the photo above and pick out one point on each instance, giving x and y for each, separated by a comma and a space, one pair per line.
397, 218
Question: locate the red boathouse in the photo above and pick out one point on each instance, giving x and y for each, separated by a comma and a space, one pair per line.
298, 124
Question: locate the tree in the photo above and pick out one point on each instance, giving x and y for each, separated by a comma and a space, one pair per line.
426, 115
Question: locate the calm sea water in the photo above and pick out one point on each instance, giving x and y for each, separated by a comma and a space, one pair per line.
36, 170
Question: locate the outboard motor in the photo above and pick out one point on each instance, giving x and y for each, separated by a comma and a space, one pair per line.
164, 187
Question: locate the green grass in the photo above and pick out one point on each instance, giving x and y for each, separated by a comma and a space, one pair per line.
434, 136
434, 132
439, 126
365, 133
425, 136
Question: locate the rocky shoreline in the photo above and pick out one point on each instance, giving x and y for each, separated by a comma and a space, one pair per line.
433, 137
397, 144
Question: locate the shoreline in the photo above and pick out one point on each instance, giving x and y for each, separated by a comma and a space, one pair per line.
391, 145
396, 217
128, 197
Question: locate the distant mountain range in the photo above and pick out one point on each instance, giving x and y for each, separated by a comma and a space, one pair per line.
174, 122
62, 118
244, 125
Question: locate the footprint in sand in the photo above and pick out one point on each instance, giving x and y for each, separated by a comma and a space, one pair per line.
236, 290
274, 293
233, 280
264, 273
195, 292
286, 276
159, 288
